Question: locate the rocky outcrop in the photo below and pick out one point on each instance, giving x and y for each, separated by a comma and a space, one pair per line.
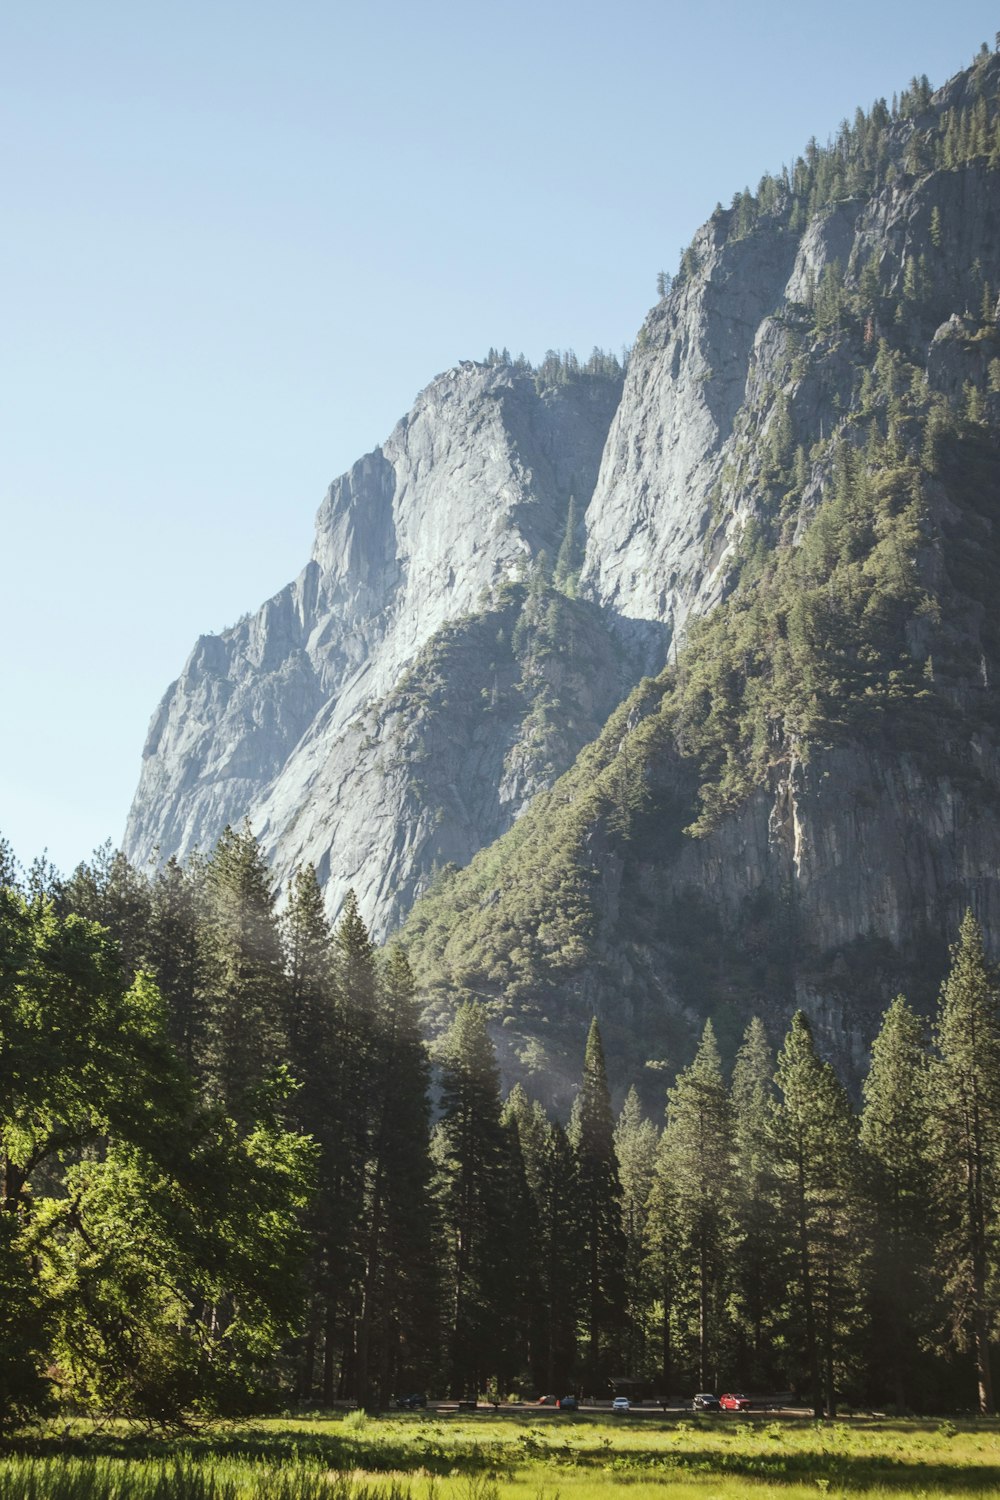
263, 722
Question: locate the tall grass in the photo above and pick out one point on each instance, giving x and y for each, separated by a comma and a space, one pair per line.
183, 1478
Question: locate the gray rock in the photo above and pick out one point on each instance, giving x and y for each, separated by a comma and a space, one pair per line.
469, 488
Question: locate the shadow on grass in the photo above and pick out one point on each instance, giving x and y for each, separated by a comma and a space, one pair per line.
422, 1444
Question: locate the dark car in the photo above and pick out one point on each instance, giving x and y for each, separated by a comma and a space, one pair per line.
410, 1403
705, 1402
567, 1403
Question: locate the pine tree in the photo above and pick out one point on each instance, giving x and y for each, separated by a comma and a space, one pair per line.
697, 1140
601, 1239
470, 1155
663, 1260
534, 1132
814, 1151
894, 1129
242, 972
636, 1142
173, 951
109, 890
396, 1328
518, 1262
560, 1283
569, 558
353, 1076
756, 1283
321, 1108
964, 1143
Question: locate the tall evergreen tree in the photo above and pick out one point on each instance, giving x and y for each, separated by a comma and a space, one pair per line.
663, 1260
697, 1141
321, 1108
471, 1158
559, 1274
964, 1109
636, 1142
398, 1321
242, 972
353, 1071
110, 890
174, 953
815, 1155
602, 1239
894, 1133
756, 1283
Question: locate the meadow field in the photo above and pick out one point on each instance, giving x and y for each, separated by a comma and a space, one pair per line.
426, 1456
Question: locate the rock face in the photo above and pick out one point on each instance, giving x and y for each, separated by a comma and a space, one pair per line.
860, 320
404, 702
267, 719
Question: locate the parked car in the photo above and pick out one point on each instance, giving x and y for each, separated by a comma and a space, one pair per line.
567, 1403
705, 1402
734, 1401
620, 1404
410, 1403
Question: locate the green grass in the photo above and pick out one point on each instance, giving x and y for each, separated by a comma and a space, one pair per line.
516, 1457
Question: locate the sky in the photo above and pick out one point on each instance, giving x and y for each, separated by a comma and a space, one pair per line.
240, 237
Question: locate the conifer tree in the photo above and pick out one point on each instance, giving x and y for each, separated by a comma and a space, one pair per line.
964, 1110
569, 557
601, 1238
397, 1324
518, 1261
470, 1156
242, 971
559, 1275
757, 1282
697, 1141
533, 1131
814, 1150
352, 1074
894, 1130
663, 1260
109, 890
321, 1107
173, 951
636, 1142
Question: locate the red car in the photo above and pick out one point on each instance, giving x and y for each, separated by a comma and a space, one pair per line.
733, 1401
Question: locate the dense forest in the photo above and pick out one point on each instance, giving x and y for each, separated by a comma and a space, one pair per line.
233, 1175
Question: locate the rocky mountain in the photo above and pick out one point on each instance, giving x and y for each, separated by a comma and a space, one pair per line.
790, 525
803, 473
322, 717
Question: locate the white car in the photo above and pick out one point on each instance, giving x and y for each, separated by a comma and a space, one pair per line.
620, 1404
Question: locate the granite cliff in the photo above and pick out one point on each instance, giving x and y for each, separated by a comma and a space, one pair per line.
790, 524
293, 717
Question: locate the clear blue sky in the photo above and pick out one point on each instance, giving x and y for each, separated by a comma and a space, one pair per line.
240, 237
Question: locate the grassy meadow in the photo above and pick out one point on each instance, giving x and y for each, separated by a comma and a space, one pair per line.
423, 1456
